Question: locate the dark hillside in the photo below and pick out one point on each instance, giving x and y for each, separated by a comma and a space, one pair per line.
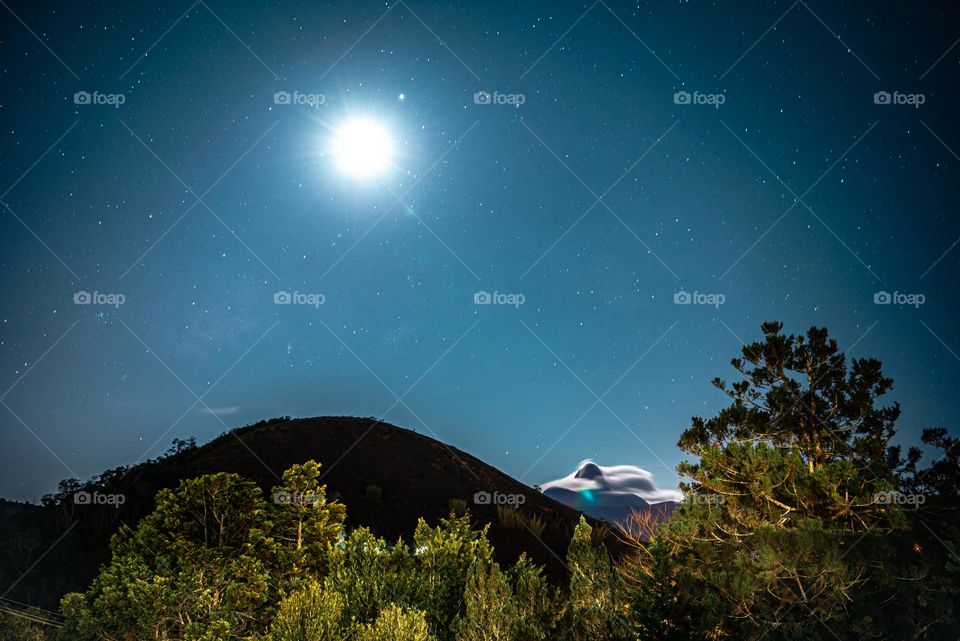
388, 477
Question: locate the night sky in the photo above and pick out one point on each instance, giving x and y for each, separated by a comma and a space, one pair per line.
781, 190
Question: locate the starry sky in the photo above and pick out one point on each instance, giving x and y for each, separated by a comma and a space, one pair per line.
773, 161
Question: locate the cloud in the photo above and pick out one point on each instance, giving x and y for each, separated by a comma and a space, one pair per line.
220, 411
613, 484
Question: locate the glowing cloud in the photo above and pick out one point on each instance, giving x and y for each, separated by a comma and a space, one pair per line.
606, 484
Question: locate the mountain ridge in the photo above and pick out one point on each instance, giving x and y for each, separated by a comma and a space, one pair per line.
387, 476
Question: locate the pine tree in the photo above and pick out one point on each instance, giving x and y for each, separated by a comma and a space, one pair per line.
310, 614
370, 574
191, 569
443, 557
490, 613
396, 624
535, 601
597, 604
782, 520
303, 524
210, 561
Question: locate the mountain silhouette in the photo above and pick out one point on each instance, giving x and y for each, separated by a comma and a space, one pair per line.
388, 477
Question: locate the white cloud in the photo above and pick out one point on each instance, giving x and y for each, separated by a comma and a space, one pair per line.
609, 483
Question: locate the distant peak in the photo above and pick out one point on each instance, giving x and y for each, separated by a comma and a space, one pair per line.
589, 470
611, 493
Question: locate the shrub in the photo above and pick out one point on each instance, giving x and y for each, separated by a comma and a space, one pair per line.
309, 614
396, 624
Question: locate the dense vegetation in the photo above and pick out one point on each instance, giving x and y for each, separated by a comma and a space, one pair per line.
217, 560
802, 520
388, 477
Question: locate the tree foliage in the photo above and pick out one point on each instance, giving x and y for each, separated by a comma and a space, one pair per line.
597, 607
215, 561
788, 529
208, 563
489, 610
396, 624
310, 613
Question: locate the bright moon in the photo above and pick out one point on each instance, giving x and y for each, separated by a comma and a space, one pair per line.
362, 148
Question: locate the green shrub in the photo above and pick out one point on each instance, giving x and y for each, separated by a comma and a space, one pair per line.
309, 614
396, 624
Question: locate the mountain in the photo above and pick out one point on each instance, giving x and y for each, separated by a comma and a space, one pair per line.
613, 493
388, 477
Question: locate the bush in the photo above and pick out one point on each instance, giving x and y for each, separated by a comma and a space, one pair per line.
210, 562
396, 624
309, 614
490, 614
